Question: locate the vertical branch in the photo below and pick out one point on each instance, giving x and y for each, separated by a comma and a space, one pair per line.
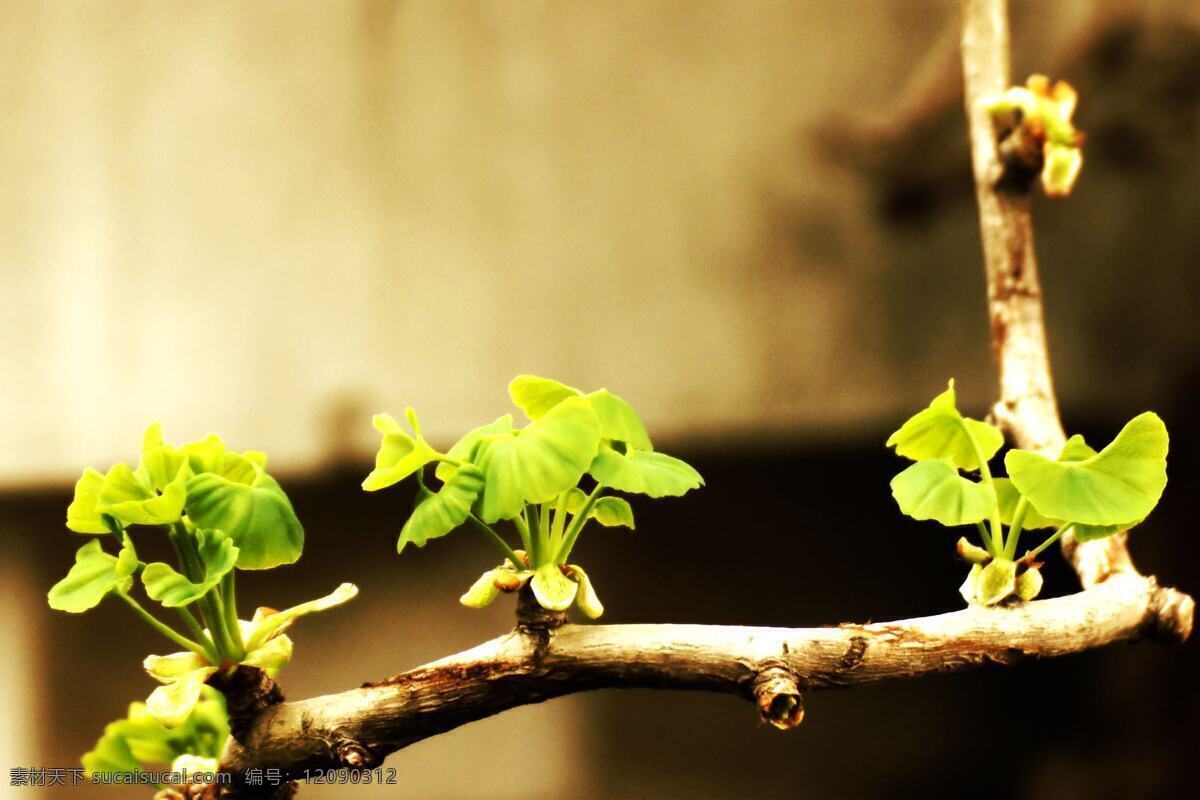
1027, 408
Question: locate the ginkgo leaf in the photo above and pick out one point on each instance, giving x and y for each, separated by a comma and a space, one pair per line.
1076, 449
251, 508
205, 455
125, 496
618, 421
1007, 498
536, 396
997, 581
464, 448
400, 454
586, 599
553, 590
82, 515
941, 432
1088, 533
172, 703
934, 490
538, 462
608, 511
438, 514
1120, 484
94, 574
641, 472
217, 555
271, 624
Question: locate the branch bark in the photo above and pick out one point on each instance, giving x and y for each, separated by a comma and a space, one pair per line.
773, 667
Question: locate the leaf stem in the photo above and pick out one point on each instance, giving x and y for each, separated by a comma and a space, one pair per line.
985, 474
496, 540
1014, 528
197, 631
229, 602
577, 525
987, 540
163, 628
523, 531
1054, 537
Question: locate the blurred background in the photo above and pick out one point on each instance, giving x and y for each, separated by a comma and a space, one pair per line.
753, 220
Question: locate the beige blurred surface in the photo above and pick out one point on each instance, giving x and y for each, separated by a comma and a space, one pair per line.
273, 219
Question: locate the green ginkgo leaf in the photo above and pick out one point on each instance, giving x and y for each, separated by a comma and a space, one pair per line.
618, 421
538, 462
251, 508
128, 498
94, 574
205, 455
553, 590
217, 554
934, 490
272, 624
1088, 533
400, 454
610, 512
536, 396
1119, 485
641, 472
1076, 449
438, 514
464, 448
83, 516
1007, 498
941, 432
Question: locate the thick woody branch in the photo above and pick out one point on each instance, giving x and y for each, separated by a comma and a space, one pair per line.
772, 667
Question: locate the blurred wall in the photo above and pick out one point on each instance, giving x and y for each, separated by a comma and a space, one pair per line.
267, 219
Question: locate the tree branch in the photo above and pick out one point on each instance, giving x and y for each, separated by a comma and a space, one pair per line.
773, 667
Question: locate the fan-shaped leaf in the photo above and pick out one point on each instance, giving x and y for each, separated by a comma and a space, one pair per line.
608, 511
1117, 486
1007, 497
218, 555
464, 448
270, 625
941, 432
251, 508
536, 396
538, 462
618, 421
640, 472
400, 454
94, 574
82, 515
438, 514
934, 490
126, 496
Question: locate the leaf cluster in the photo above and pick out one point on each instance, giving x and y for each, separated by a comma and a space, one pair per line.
1091, 493
546, 480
